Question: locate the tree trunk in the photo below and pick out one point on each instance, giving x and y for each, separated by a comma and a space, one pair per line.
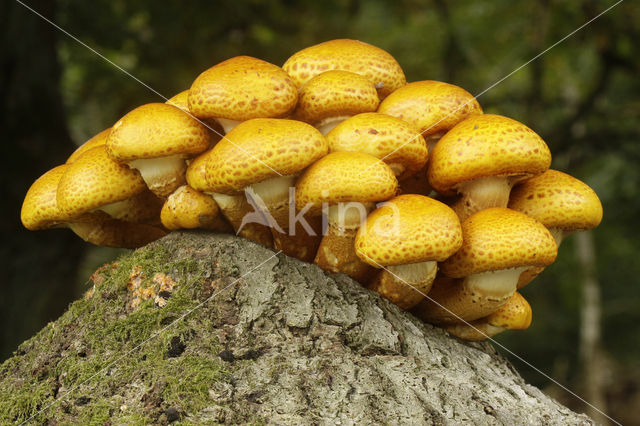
215, 328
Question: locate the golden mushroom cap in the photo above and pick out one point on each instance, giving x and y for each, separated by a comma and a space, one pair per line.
345, 177
196, 173
392, 140
156, 130
486, 145
242, 88
335, 94
430, 106
514, 315
97, 140
40, 208
500, 238
181, 100
260, 149
95, 180
188, 208
348, 55
407, 229
558, 200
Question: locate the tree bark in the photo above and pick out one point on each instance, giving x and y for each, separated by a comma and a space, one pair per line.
215, 328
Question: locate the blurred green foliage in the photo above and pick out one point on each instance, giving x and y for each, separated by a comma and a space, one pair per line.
581, 97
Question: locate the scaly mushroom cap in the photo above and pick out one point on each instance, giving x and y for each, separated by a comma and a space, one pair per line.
95, 180
196, 173
514, 315
392, 140
409, 229
558, 200
430, 106
486, 145
348, 55
97, 140
181, 100
190, 209
260, 149
156, 130
242, 88
500, 238
345, 177
40, 208
335, 94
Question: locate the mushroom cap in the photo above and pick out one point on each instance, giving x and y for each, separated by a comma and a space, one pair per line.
156, 130
514, 315
500, 238
196, 173
392, 140
242, 88
486, 145
558, 200
260, 149
188, 208
345, 177
430, 106
40, 208
95, 180
97, 140
335, 93
409, 229
181, 100
349, 55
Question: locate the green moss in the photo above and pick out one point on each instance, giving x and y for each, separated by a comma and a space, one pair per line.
99, 351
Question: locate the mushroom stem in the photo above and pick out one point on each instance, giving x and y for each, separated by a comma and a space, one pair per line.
236, 208
227, 124
272, 198
453, 300
162, 175
483, 193
405, 285
337, 252
327, 125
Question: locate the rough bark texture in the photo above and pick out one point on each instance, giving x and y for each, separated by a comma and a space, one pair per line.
267, 339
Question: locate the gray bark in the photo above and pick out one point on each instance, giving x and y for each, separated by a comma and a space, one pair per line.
294, 345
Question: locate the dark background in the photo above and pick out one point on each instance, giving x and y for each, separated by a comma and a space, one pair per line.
581, 97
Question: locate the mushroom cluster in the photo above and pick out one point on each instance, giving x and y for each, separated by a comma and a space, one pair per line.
333, 158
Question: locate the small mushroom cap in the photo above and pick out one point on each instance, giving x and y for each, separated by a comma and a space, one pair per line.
97, 140
242, 88
196, 173
500, 238
345, 177
156, 130
188, 208
95, 180
558, 200
335, 94
430, 106
514, 315
260, 149
349, 55
40, 208
392, 140
409, 229
486, 145
181, 100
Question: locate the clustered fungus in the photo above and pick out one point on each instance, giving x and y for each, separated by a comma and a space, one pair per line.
333, 158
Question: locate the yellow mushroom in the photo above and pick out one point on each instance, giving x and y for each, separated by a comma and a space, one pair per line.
481, 158
560, 202
156, 139
407, 236
187, 208
392, 140
514, 315
346, 185
333, 96
181, 100
348, 55
97, 140
498, 245
242, 88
